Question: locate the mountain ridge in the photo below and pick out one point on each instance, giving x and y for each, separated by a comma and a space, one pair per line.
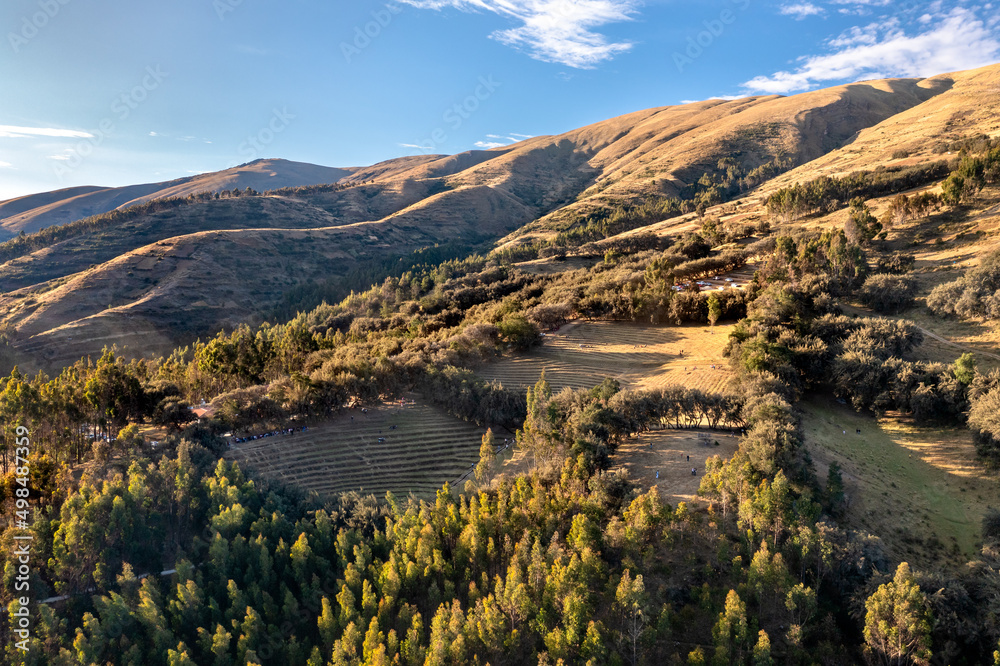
183, 267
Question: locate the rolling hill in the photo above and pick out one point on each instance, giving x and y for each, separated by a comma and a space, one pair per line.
162, 264
37, 211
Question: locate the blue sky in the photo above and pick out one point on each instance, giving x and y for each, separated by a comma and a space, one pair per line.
121, 92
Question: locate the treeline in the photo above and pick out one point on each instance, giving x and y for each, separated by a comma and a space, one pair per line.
730, 178
975, 294
306, 297
619, 218
28, 243
973, 173
826, 194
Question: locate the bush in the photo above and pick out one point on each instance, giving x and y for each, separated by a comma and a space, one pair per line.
976, 294
888, 293
897, 264
991, 525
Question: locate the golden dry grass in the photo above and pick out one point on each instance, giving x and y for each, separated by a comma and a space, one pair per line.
672, 453
581, 354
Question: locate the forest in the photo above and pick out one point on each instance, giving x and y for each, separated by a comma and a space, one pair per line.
570, 562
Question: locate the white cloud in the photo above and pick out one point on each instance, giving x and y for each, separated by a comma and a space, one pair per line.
724, 98
153, 134
61, 158
486, 145
522, 137
859, 7
558, 31
955, 40
801, 10
415, 146
15, 132
6, 165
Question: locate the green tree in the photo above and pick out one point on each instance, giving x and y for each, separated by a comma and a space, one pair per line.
762, 650
631, 601
486, 466
730, 632
898, 622
964, 368
835, 489
714, 308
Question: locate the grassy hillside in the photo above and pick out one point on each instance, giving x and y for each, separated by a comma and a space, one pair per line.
38, 211
126, 275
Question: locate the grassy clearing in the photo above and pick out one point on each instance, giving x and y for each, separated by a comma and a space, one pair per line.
921, 489
426, 449
581, 354
672, 453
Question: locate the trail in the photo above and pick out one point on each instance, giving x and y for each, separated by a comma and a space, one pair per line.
935, 336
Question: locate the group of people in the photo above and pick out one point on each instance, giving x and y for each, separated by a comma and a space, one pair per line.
273, 433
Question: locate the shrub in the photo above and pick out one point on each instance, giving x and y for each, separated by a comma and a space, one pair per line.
888, 293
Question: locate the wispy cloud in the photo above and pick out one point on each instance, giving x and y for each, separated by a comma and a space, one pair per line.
801, 10
512, 137
6, 165
859, 7
16, 132
953, 40
486, 145
724, 98
557, 31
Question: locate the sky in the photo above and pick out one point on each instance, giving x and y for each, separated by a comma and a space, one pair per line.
122, 92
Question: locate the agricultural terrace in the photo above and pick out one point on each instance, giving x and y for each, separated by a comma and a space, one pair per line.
641, 356
921, 489
423, 447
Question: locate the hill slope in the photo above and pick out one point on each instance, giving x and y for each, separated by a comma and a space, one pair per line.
168, 270
38, 211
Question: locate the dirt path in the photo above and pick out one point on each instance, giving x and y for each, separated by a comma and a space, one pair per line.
935, 336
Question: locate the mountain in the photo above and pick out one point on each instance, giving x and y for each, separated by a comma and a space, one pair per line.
172, 267
37, 211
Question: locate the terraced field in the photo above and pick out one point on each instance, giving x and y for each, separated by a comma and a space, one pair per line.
581, 354
426, 449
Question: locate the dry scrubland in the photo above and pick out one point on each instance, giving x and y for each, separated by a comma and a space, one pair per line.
581, 354
427, 448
